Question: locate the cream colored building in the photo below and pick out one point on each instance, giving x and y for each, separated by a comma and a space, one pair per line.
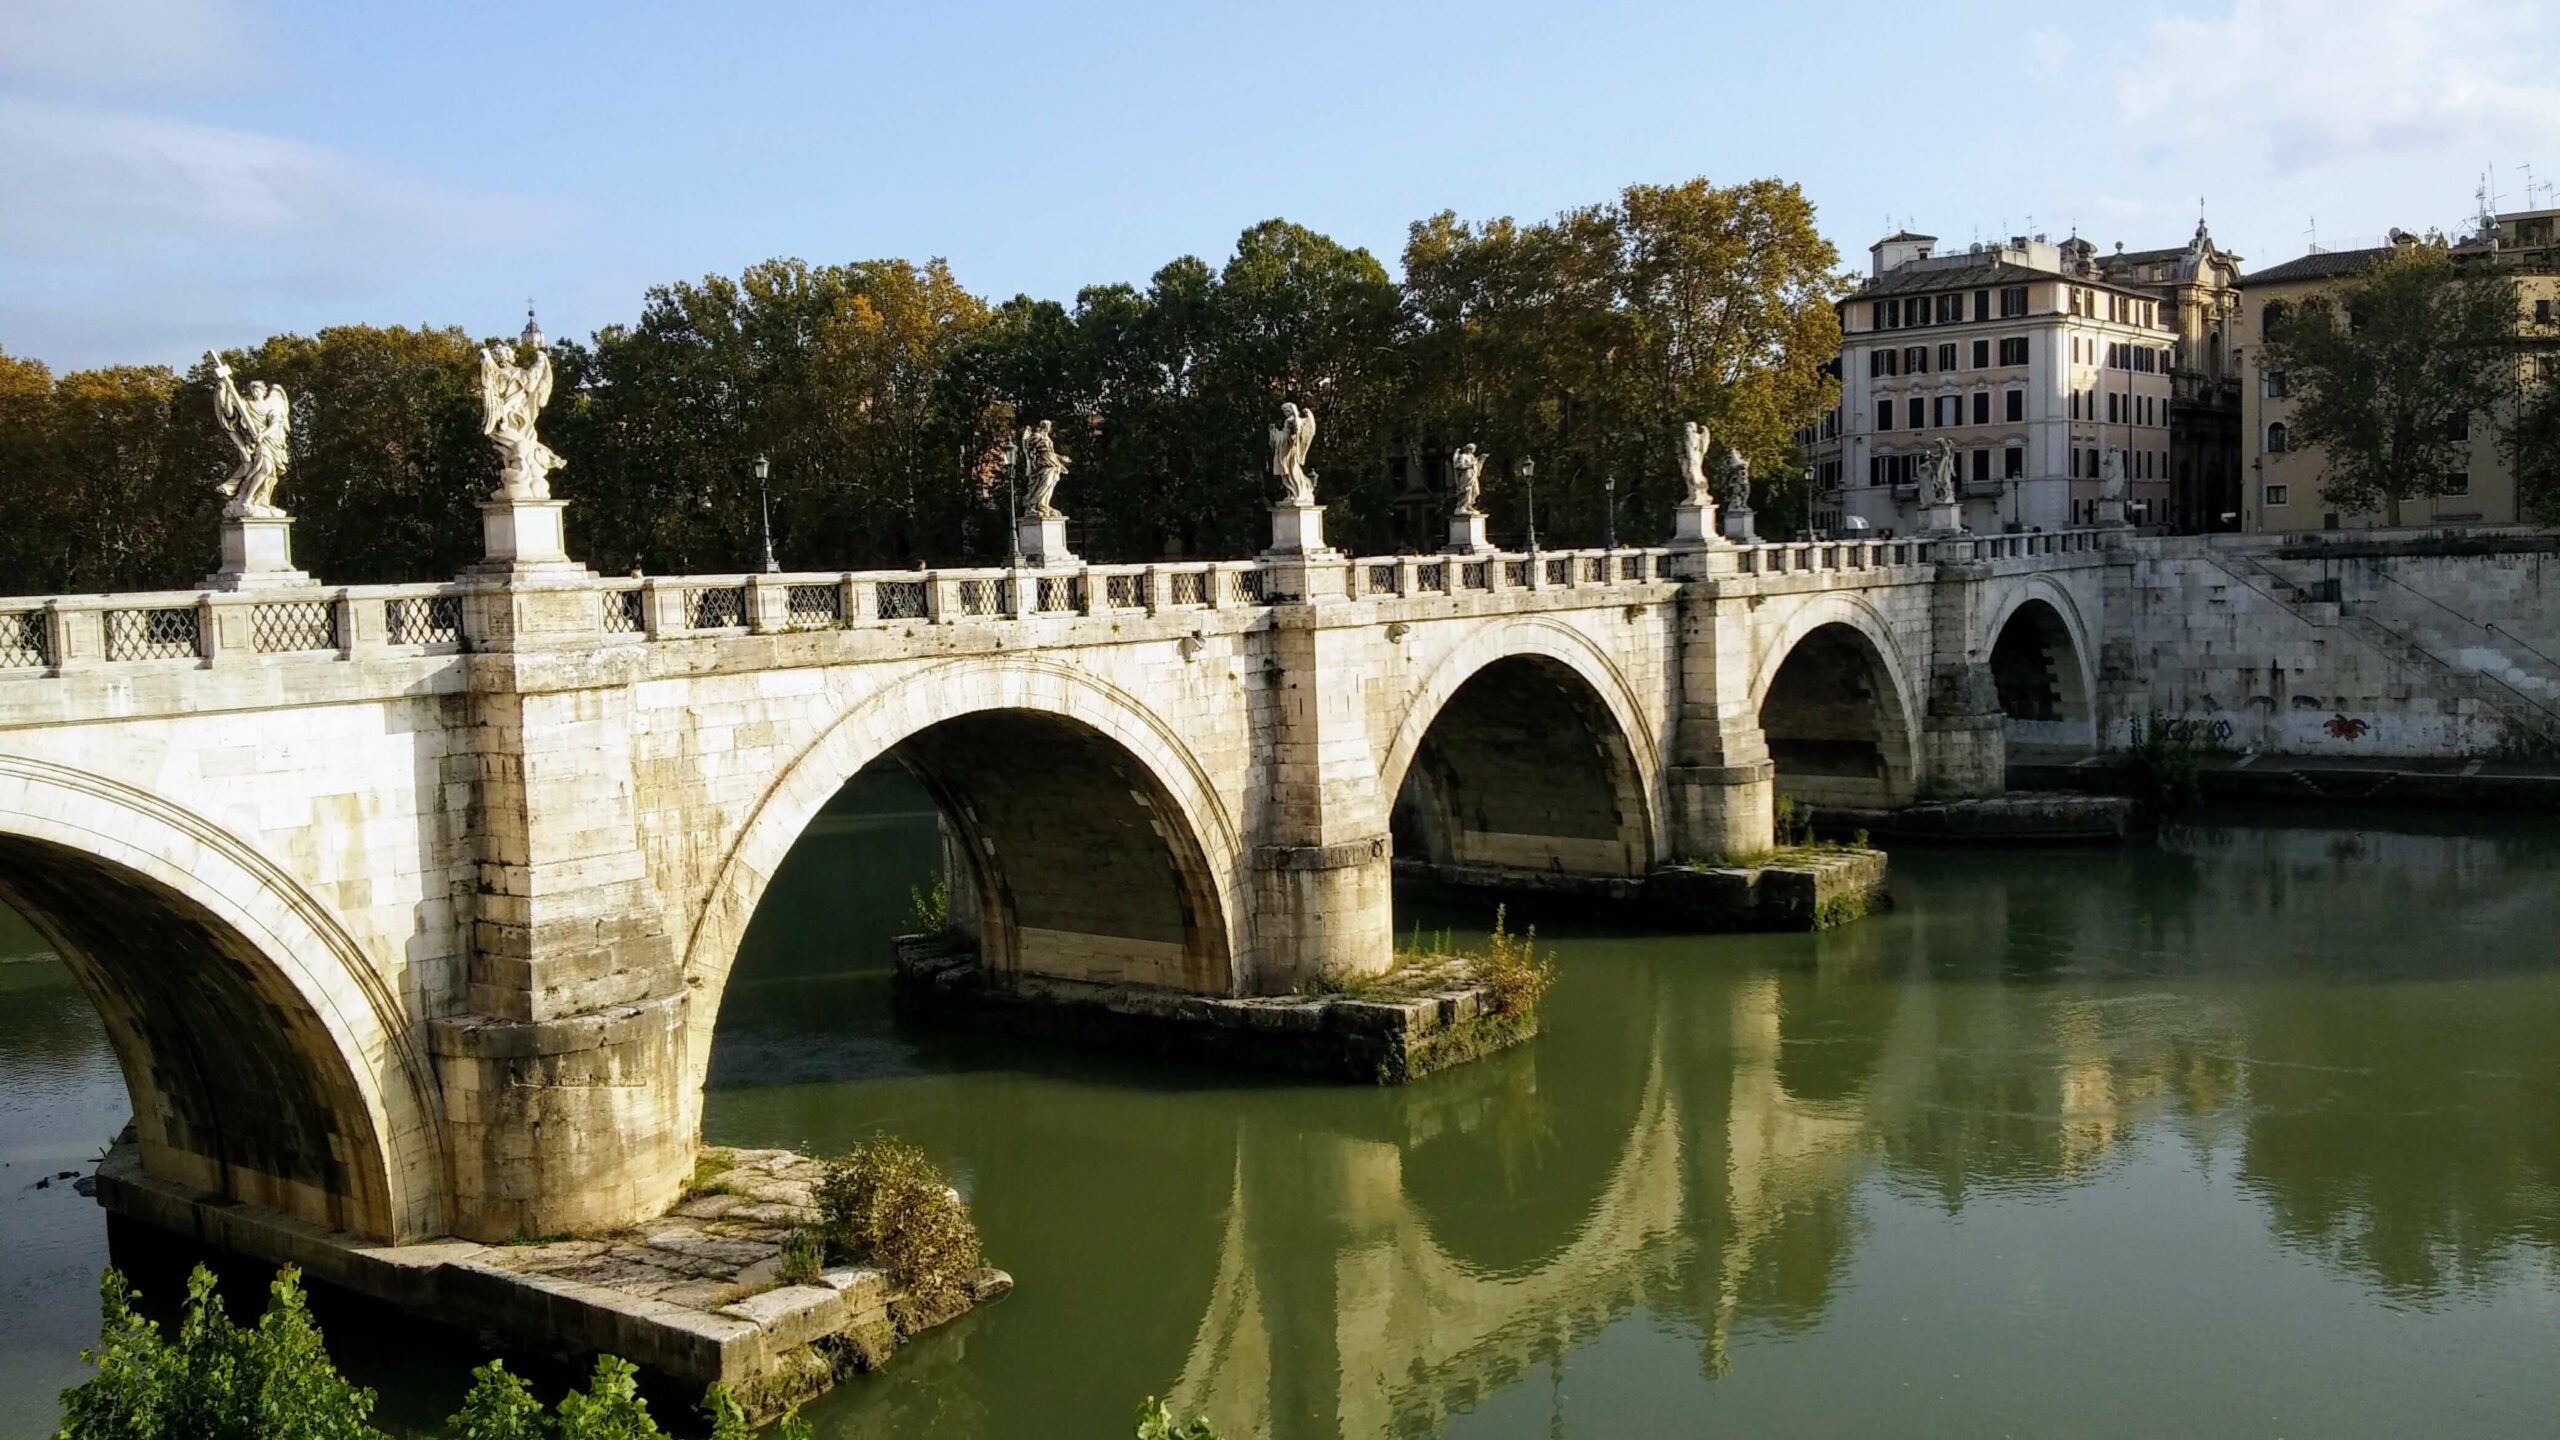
2025, 357
2284, 476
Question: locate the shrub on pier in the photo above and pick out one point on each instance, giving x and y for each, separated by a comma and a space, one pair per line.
885, 1204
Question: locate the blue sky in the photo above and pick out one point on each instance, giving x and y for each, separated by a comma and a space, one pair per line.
176, 174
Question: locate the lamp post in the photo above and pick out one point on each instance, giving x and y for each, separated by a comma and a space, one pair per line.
1527, 470
764, 510
1609, 528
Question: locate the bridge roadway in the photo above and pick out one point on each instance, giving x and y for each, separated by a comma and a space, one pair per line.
409, 909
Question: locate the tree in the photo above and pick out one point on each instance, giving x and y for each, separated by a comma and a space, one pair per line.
217, 1381
2390, 370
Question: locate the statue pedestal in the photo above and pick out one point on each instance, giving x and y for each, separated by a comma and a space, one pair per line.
2111, 513
1692, 526
1737, 525
517, 534
1297, 529
257, 554
1947, 519
1466, 534
1043, 539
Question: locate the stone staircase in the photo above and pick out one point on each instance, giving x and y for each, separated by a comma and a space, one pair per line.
2518, 688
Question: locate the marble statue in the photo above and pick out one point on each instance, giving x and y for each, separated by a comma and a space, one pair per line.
511, 397
1693, 464
1047, 468
260, 426
2111, 475
1466, 477
1942, 472
1735, 491
1290, 440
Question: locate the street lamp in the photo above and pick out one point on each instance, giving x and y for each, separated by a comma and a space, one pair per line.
1609, 489
1013, 495
1527, 470
764, 507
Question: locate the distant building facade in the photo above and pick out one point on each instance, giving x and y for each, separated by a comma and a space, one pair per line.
2198, 286
2027, 357
2285, 475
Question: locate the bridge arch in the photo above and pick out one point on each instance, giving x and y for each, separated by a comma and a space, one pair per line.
2043, 665
1526, 748
266, 1059
1837, 705
1021, 756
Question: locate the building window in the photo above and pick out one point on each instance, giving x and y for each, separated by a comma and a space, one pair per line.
1875, 362
1884, 414
1947, 356
1982, 465
1981, 407
1950, 410
2075, 464
1981, 304
2278, 494
1981, 354
2459, 428
1919, 413
2541, 312
2271, 319
2459, 484
2275, 385
2115, 408
2279, 438
2013, 350
2013, 464
1950, 309
2013, 301
1915, 360
2075, 404
2014, 407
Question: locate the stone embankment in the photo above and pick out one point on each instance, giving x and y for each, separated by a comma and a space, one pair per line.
1422, 1017
697, 1295
1798, 888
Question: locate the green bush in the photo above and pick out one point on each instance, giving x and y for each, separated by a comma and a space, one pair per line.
274, 1381
885, 1204
803, 1258
929, 909
1155, 1422
2163, 772
1515, 970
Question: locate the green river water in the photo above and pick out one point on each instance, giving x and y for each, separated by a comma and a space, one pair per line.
2252, 1130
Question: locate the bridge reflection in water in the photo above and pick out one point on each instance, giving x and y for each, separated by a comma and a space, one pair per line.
1985, 1146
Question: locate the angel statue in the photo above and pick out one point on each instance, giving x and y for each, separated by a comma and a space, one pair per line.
260, 426
1289, 441
1942, 472
1693, 464
1466, 476
1047, 467
2111, 475
511, 396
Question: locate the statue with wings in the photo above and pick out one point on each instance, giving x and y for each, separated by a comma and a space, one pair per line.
1693, 465
260, 426
1290, 440
511, 396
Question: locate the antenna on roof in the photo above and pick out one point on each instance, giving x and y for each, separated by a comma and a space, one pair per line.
2314, 233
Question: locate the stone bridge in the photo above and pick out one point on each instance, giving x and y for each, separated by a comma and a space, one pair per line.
410, 909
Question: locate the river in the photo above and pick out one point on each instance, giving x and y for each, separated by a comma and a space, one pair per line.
2251, 1130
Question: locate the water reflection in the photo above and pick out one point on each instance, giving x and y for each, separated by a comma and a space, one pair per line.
2260, 1122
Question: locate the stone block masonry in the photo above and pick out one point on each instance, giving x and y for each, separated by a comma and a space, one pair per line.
463, 867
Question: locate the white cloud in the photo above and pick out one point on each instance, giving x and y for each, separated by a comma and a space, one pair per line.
2303, 84
124, 224
123, 45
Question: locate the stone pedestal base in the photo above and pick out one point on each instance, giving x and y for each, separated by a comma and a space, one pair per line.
2111, 514
257, 554
1466, 535
1693, 525
1297, 529
1326, 912
1044, 540
518, 533
1942, 520
1737, 525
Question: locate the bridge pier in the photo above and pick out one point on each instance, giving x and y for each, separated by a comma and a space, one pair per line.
1963, 744
1323, 877
1721, 786
564, 1078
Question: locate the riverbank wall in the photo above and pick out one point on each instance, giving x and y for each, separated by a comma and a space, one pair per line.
2367, 643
